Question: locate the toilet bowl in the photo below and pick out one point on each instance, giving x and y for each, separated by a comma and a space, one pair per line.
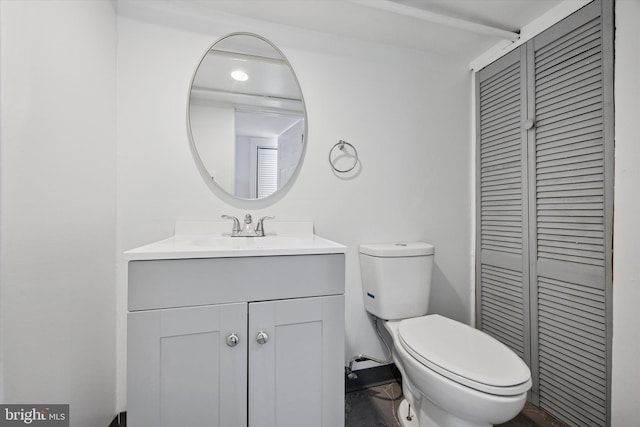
453, 375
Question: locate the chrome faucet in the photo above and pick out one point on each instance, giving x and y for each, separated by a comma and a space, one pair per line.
260, 226
248, 230
236, 225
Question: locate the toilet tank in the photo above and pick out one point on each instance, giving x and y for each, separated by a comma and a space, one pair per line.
396, 279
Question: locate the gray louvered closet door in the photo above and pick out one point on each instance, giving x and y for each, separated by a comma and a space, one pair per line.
546, 292
502, 270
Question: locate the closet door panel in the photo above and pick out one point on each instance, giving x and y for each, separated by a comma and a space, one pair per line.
570, 218
501, 271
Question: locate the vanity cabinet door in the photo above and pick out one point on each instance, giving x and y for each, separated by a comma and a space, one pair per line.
182, 372
296, 362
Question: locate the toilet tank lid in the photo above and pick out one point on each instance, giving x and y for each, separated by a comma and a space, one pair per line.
398, 249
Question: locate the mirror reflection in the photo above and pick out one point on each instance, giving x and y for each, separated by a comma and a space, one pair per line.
246, 117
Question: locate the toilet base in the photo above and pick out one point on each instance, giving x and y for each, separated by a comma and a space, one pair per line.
431, 416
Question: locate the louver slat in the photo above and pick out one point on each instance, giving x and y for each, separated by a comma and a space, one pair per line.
569, 144
572, 351
500, 162
502, 306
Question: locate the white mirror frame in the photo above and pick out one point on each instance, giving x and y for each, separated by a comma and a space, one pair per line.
206, 175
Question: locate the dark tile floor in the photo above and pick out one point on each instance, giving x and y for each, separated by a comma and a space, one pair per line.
373, 407
376, 407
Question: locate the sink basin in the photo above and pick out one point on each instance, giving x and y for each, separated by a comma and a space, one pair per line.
240, 243
211, 245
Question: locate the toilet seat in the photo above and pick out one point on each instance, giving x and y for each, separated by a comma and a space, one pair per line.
464, 355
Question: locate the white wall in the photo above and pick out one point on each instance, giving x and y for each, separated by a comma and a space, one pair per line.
626, 269
57, 199
211, 124
407, 113
289, 150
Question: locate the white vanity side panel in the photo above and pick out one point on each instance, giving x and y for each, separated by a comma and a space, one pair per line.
333, 342
143, 365
189, 282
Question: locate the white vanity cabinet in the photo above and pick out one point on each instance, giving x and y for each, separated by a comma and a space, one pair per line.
252, 341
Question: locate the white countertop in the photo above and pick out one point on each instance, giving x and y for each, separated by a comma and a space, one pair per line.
204, 240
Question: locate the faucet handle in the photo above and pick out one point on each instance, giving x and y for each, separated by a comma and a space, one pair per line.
260, 227
236, 224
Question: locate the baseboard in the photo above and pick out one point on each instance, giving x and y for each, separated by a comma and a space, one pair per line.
371, 377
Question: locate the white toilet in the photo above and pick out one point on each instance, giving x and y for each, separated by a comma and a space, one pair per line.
452, 374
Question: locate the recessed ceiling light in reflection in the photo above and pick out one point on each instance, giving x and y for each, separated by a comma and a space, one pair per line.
239, 75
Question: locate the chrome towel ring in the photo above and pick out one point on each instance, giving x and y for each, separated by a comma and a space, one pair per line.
344, 153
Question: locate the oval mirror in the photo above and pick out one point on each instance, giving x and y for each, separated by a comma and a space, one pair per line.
246, 117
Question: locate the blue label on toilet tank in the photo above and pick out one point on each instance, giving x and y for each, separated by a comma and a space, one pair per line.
370, 295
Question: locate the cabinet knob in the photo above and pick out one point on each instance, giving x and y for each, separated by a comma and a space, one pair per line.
529, 124
233, 340
262, 337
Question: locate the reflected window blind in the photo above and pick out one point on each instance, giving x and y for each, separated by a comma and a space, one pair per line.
267, 171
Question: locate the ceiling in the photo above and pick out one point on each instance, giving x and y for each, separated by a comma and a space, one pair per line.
266, 103
408, 24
